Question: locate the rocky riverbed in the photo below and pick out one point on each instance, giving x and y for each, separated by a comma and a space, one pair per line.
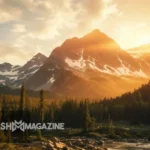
75, 143
128, 146
84, 143
80, 143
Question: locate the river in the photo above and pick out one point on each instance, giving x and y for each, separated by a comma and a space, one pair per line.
128, 146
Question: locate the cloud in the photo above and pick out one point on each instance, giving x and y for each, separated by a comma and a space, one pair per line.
141, 25
11, 54
50, 16
19, 28
8, 12
46, 23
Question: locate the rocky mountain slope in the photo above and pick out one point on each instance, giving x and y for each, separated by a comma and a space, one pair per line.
92, 66
13, 76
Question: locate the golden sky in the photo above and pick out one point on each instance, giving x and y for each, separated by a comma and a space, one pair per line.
31, 26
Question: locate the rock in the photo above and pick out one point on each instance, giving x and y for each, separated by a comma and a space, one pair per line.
35, 143
56, 139
109, 142
69, 143
44, 143
77, 148
104, 138
79, 143
100, 142
101, 148
51, 146
97, 148
59, 145
25, 145
44, 147
66, 148
89, 147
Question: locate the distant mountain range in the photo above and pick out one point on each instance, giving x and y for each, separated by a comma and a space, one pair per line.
93, 66
14, 76
140, 51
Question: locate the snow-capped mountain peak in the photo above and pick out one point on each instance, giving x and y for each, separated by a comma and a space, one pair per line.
90, 66
14, 75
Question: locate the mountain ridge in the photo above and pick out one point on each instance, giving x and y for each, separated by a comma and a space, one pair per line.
82, 65
90, 66
13, 76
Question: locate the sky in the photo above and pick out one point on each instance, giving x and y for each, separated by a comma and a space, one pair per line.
31, 26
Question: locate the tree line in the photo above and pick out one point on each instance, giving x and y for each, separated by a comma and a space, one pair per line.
132, 107
30, 110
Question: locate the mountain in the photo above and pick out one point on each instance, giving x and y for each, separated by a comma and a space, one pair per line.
93, 66
142, 55
140, 50
13, 76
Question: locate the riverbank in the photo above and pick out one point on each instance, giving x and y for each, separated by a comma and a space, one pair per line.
79, 143
128, 146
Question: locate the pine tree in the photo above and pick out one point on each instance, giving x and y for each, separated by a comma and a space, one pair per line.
26, 136
88, 121
39, 135
27, 118
42, 98
0, 112
52, 113
27, 109
4, 108
111, 127
22, 107
9, 136
22, 101
2, 135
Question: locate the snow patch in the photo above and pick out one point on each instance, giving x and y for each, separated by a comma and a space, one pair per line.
28, 74
126, 71
34, 71
120, 71
5, 73
34, 66
51, 69
51, 80
13, 77
77, 64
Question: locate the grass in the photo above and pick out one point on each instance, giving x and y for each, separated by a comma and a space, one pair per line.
125, 130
